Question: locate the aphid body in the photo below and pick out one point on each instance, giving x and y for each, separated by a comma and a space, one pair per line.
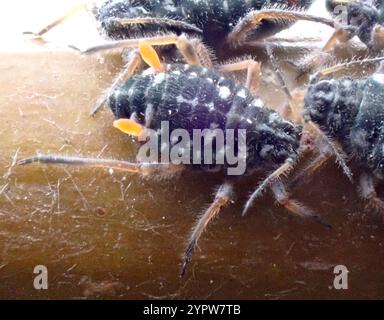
362, 19
351, 112
193, 97
215, 18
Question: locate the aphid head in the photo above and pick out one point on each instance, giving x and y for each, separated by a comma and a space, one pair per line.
333, 104
319, 101
273, 142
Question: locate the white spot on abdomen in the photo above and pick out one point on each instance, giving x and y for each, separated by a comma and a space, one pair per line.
224, 92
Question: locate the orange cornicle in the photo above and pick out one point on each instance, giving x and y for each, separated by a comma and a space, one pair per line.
129, 126
150, 56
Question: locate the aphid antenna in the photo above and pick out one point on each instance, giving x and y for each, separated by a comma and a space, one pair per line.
344, 66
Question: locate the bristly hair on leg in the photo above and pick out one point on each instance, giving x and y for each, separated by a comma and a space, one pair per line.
254, 18
284, 169
368, 192
344, 66
295, 206
339, 154
223, 197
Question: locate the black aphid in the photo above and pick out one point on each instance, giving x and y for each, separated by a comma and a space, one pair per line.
351, 112
193, 97
195, 27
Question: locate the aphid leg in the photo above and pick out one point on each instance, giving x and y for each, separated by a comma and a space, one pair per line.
339, 36
68, 14
368, 192
134, 60
282, 170
253, 72
326, 145
293, 107
143, 169
156, 21
378, 38
311, 168
344, 66
223, 197
205, 55
253, 19
294, 206
181, 42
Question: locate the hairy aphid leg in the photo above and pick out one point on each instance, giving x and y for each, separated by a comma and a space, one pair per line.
253, 72
181, 42
160, 22
206, 55
134, 60
282, 170
378, 38
345, 66
326, 145
310, 169
294, 111
223, 197
368, 193
325, 55
80, 7
293, 206
253, 19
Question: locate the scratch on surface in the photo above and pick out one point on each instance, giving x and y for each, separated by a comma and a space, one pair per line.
124, 191
4, 188
102, 150
9, 200
290, 249
12, 165
84, 200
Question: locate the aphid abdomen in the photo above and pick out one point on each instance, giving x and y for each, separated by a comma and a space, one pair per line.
367, 135
195, 98
187, 97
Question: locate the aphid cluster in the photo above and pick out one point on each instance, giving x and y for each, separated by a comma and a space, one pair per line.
197, 95
194, 97
202, 30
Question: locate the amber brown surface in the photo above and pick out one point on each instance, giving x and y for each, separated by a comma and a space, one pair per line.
110, 235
